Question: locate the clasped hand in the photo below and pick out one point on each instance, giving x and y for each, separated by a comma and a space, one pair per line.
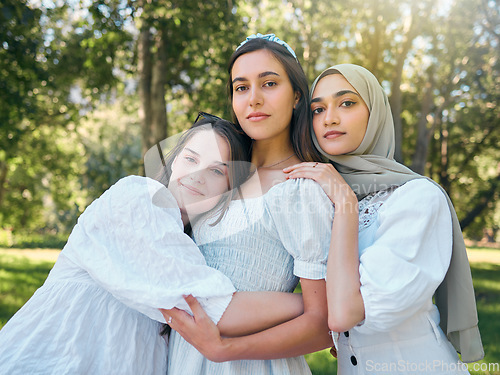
330, 180
197, 329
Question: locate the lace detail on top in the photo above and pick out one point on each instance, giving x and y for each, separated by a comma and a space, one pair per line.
369, 206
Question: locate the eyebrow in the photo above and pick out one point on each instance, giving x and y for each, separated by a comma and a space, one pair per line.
261, 75
336, 95
197, 154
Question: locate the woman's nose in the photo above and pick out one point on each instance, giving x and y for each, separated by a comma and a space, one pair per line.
331, 117
255, 97
198, 176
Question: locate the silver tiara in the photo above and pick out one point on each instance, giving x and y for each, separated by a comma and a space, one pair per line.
271, 38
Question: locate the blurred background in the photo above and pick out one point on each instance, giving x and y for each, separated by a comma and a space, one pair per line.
86, 87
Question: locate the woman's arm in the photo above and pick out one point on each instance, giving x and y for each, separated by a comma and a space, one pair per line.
251, 312
304, 334
345, 302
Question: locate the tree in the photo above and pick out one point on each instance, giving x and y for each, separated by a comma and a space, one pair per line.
179, 45
31, 115
20, 73
63, 68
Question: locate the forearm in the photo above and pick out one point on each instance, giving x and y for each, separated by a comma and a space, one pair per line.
345, 303
305, 334
251, 312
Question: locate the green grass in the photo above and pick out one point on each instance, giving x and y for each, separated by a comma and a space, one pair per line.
20, 276
486, 279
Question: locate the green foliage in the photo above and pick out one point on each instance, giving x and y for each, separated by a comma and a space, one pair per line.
64, 64
322, 363
38, 178
20, 70
111, 147
32, 240
200, 37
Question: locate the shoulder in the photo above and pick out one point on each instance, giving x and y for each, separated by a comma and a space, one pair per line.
138, 186
419, 190
303, 187
134, 192
422, 197
136, 181
299, 196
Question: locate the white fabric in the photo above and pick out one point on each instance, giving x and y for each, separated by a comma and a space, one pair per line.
405, 246
97, 312
263, 243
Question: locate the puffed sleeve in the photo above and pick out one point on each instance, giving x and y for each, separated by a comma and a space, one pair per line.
409, 257
131, 242
302, 214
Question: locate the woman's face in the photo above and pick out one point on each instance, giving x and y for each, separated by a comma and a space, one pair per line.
200, 173
263, 97
340, 116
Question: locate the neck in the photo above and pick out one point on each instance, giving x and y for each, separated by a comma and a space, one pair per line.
267, 152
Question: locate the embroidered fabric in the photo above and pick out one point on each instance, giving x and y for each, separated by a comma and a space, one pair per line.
272, 38
369, 206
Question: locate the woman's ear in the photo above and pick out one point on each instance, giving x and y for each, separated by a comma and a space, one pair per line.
297, 99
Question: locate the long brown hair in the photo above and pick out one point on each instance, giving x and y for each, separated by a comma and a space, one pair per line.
300, 124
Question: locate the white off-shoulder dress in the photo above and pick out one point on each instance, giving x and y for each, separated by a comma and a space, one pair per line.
405, 245
263, 243
97, 312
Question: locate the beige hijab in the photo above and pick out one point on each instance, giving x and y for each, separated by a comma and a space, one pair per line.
370, 168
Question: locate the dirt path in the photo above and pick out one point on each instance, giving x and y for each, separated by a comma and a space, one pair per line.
484, 256
49, 255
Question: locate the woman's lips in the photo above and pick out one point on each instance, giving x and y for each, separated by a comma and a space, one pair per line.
332, 134
257, 116
191, 189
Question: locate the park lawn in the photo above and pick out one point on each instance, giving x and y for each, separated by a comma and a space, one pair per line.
23, 271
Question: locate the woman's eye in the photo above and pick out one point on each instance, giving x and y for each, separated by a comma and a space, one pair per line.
348, 103
240, 88
270, 84
316, 111
218, 172
189, 159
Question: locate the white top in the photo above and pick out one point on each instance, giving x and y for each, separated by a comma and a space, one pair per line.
263, 243
405, 245
97, 312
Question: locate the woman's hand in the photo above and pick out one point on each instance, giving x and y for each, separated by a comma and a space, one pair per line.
327, 177
197, 329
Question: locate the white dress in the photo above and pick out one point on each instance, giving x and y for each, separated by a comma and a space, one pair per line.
263, 243
405, 245
97, 312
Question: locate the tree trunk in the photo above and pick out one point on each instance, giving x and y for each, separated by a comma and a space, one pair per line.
395, 102
3, 178
158, 83
396, 97
144, 66
444, 179
484, 197
374, 56
424, 131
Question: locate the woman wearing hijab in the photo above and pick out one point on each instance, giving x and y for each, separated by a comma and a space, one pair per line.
396, 241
